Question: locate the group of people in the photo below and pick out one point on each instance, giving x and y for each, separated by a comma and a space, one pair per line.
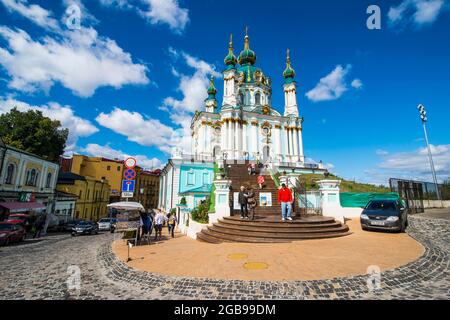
155, 220
252, 172
247, 201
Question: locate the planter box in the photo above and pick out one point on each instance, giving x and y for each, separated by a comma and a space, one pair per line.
194, 228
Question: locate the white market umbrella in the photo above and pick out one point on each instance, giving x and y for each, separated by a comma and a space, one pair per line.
126, 206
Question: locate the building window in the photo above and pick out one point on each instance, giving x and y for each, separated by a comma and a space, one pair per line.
258, 98
49, 180
190, 178
32, 176
9, 173
118, 168
108, 168
205, 178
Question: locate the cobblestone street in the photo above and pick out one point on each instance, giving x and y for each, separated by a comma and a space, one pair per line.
40, 271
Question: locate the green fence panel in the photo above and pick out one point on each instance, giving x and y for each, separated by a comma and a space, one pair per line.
357, 200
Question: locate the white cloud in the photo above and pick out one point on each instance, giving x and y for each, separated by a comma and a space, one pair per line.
381, 152
332, 86
357, 84
144, 131
166, 12
139, 128
417, 12
412, 165
155, 12
106, 151
78, 127
81, 61
35, 13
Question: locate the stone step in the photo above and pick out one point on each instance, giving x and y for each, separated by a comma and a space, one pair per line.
302, 221
283, 232
278, 235
285, 225
226, 237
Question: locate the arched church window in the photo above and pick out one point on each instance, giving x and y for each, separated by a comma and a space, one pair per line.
49, 180
258, 98
9, 173
241, 98
247, 97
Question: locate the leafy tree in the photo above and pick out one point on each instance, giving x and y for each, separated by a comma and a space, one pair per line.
32, 132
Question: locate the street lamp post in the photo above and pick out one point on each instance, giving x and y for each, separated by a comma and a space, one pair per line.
423, 116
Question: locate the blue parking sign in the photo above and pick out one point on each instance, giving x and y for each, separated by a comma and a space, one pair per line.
128, 186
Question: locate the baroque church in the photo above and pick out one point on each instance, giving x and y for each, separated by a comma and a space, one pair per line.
246, 126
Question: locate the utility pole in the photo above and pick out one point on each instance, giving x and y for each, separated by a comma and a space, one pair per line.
423, 116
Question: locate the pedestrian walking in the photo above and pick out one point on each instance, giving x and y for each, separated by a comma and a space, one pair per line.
243, 202
249, 168
160, 218
286, 199
252, 204
260, 181
39, 225
253, 169
172, 222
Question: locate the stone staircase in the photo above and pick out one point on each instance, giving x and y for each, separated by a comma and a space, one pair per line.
272, 230
267, 226
238, 174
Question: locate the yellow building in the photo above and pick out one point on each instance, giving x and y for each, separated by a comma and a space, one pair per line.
100, 169
93, 195
147, 189
27, 182
147, 182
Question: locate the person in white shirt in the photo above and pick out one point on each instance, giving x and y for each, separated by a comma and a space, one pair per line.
160, 218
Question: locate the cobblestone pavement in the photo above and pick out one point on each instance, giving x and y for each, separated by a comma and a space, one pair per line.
40, 271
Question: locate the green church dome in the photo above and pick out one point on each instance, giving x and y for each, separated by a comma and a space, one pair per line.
247, 56
230, 60
288, 73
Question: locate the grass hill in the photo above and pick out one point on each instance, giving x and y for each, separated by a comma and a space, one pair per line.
346, 185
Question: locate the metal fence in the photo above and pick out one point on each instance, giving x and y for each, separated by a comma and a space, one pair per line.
416, 192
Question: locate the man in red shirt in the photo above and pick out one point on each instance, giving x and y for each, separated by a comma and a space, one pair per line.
286, 199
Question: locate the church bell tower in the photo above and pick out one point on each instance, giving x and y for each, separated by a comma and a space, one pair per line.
290, 89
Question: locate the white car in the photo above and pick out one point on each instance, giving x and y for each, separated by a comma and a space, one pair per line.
105, 224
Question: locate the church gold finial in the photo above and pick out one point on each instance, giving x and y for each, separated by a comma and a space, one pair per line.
230, 46
211, 81
288, 58
247, 41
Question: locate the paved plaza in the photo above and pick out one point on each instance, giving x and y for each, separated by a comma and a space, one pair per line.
41, 270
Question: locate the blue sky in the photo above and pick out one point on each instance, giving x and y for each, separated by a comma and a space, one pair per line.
126, 79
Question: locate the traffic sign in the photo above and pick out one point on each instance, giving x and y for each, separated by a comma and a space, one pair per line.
129, 174
130, 163
128, 186
127, 194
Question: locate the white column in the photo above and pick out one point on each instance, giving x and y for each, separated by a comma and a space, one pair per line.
223, 137
300, 146
231, 146
277, 140
208, 140
295, 133
238, 136
201, 139
254, 139
286, 144
244, 138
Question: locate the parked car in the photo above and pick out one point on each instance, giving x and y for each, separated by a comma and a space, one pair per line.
17, 218
106, 224
85, 227
385, 215
11, 232
68, 226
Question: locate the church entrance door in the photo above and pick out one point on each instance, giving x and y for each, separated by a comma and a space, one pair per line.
266, 153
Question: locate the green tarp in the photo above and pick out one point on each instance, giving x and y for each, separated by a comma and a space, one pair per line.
357, 200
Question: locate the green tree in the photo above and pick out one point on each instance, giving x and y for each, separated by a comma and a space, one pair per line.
32, 132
